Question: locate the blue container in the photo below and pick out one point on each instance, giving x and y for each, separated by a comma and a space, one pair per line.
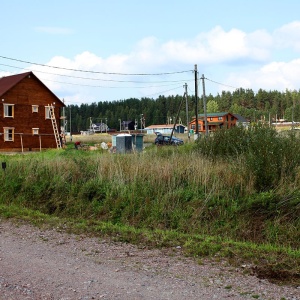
114, 140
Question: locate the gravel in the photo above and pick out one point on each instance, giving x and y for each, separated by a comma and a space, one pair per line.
49, 264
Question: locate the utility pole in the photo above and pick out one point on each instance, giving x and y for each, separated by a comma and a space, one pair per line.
142, 119
187, 109
196, 102
204, 105
64, 118
70, 123
91, 123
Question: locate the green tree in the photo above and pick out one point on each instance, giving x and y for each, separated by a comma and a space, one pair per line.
212, 106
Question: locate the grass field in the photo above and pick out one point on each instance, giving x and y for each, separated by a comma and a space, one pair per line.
232, 196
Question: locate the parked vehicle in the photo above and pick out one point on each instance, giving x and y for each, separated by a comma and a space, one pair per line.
166, 140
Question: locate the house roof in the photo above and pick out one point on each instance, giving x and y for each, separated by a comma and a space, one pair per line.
209, 115
98, 124
241, 118
218, 114
8, 82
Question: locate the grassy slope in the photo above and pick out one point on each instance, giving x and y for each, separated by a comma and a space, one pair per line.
162, 197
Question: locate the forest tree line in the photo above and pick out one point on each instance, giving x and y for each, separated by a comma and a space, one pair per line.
263, 105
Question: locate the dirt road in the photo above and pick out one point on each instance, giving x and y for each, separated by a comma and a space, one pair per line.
36, 264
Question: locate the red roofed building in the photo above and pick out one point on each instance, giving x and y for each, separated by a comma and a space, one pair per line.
29, 114
214, 121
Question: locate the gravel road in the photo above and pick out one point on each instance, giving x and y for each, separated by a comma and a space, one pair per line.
48, 264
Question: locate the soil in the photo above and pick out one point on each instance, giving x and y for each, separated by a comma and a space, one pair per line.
50, 264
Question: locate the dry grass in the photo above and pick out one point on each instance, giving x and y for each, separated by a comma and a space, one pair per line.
98, 138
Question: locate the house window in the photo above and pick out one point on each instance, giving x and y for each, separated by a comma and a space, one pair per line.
35, 131
210, 118
35, 108
220, 118
9, 134
8, 110
47, 112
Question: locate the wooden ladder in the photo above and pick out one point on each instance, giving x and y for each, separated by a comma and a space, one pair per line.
54, 125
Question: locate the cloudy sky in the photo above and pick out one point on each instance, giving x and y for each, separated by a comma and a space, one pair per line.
95, 50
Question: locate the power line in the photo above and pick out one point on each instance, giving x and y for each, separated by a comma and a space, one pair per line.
111, 87
163, 92
95, 72
89, 78
221, 83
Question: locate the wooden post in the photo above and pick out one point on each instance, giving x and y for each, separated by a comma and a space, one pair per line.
21, 142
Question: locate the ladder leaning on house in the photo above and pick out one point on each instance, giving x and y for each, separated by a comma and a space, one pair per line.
54, 125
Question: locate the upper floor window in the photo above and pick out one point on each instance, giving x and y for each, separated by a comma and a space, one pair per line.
35, 108
9, 134
47, 112
211, 118
8, 110
220, 118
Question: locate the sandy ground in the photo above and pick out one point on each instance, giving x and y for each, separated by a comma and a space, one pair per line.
37, 264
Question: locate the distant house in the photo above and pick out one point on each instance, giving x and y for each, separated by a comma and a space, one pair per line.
165, 129
100, 127
28, 112
128, 125
241, 120
214, 121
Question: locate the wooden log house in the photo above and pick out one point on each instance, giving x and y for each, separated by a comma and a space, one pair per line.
214, 121
25, 114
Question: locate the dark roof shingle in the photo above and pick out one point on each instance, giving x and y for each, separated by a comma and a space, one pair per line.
6, 83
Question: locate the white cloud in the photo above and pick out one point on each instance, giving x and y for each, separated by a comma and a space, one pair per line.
213, 47
245, 59
288, 36
273, 76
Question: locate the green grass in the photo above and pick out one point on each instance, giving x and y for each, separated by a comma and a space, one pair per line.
165, 197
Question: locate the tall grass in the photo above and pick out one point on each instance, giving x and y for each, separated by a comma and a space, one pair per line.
187, 189
269, 157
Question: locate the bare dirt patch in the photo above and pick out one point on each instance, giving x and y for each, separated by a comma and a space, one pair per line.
48, 264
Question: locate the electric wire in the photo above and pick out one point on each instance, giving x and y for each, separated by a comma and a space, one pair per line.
162, 92
96, 72
109, 87
173, 82
227, 85
89, 78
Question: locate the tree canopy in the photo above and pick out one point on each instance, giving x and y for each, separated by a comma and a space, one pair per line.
263, 105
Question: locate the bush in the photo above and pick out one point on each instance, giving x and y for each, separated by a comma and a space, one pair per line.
267, 155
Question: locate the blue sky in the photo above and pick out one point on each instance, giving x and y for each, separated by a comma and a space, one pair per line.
234, 43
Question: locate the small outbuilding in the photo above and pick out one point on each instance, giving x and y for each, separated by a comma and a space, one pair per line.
165, 129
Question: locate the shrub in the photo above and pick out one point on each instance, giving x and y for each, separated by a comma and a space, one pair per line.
267, 155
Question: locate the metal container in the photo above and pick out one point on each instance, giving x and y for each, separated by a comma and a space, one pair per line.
124, 143
138, 141
114, 140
